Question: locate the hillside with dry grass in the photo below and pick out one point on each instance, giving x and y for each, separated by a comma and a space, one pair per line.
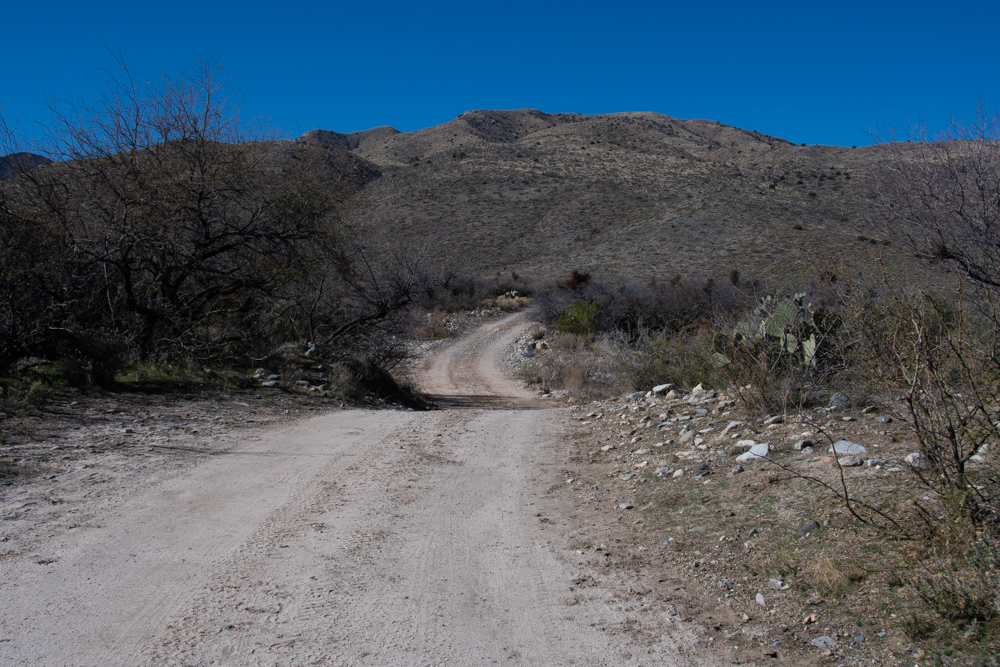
638, 194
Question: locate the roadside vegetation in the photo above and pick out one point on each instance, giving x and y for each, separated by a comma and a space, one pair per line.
169, 239
856, 342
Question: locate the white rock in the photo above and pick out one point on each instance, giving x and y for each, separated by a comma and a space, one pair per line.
760, 600
731, 426
679, 472
758, 451
660, 388
698, 390
848, 448
746, 443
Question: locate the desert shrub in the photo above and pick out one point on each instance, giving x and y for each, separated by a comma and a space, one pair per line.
433, 325
579, 318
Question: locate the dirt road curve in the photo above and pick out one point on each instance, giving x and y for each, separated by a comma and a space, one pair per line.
351, 538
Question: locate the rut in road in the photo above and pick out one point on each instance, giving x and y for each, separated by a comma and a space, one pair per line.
352, 538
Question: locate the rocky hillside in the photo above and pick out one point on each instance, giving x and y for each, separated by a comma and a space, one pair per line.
632, 193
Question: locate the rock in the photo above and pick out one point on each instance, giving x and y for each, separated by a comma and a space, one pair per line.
528, 354
273, 377
726, 584
858, 639
672, 395
760, 600
259, 373
777, 419
679, 472
839, 400
850, 461
874, 463
661, 388
802, 444
636, 395
917, 461
746, 443
731, 426
807, 528
686, 437
627, 476
884, 419
737, 469
823, 642
625, 506
698, 390
270, 383
758, 451
847, 447
701, 412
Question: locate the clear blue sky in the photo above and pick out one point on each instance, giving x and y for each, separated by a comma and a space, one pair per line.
814, 72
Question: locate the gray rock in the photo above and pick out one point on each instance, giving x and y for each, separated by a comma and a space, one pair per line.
625, 506
662, 388
858, 639
636, 395
701, 412
731, 426
884, 419
777, 419
758, 451
802, 444
776, 584
686, 437
824, 642
726, 583
917, 461
807, 528
259, 373
840, 400
737, 469
679, 472
848, 448
270, 383
760, 600
273, 377
872, 463
672, 395
698, 390
850, 461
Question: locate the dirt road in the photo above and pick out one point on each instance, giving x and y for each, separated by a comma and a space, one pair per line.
351, 538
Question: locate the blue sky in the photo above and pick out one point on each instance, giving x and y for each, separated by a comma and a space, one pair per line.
814, 72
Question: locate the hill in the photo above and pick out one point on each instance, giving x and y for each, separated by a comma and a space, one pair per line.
630, 193
17, 162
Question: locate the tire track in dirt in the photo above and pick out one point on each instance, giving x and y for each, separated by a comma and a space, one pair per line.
353, 538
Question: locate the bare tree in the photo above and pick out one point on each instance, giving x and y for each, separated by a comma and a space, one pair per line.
941, 195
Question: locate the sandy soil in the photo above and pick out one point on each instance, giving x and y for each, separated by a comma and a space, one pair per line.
354, 537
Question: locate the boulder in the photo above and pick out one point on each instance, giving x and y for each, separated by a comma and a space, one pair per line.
758, 451
848, 448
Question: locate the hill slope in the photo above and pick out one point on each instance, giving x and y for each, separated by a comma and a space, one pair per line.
634, 193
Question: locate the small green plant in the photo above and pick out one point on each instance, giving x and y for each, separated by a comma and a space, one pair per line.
579, 318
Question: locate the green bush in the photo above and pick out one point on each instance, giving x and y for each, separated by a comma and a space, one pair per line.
579, 318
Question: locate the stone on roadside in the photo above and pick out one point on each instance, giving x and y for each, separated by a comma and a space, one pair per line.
730, 427
823, 642
847, 448
839, 400
661, 388
850, 461
758, 451
807, 528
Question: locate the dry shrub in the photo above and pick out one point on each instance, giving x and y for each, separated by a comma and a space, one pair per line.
509, 304
433, 326
832, 577
582, 365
